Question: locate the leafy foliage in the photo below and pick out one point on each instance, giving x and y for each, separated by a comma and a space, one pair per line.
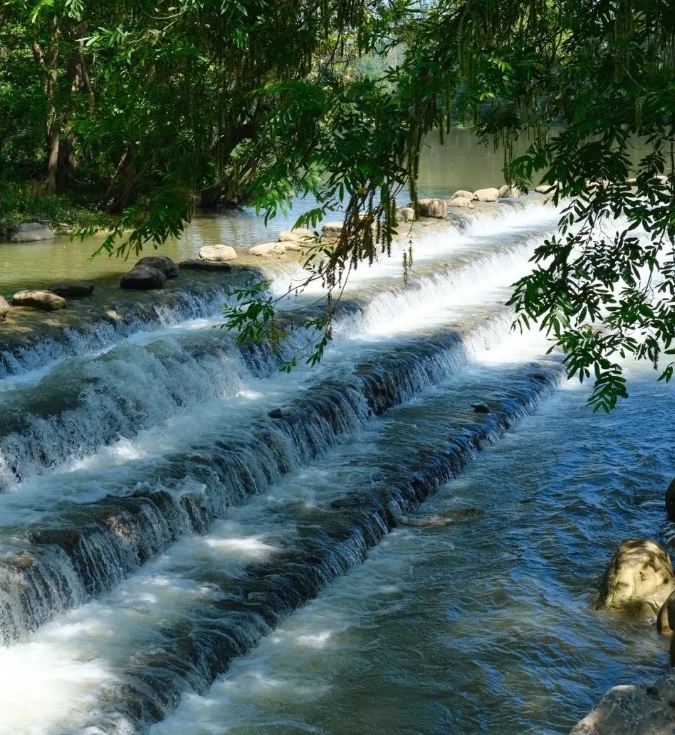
152, 104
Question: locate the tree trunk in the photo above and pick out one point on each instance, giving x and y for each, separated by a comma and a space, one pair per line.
121, 190
48, 64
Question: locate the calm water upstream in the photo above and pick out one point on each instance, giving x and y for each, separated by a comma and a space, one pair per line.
193, 543
460, 163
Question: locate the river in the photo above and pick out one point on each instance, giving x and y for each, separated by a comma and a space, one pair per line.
177, 561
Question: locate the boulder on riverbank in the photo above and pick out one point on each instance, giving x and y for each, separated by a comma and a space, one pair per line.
4, 308
143, 278
639, 576
43, 300
486, 195
72, 289
161, 263
217, 253
435, 208
32, 232
205, 265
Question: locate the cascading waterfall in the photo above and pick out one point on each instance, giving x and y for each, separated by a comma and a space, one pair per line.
123, 458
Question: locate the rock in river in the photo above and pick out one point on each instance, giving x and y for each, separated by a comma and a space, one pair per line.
436, 208
486, 195
462, 194
143, 278
205, 265
4, 308
633, 710
639, 575
72, 289
665, 622
300, 235
217, 253
332, 229
461, 202
161, 263
44, 300
670, 501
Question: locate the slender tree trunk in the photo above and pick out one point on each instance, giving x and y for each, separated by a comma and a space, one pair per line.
121, 190
48, 63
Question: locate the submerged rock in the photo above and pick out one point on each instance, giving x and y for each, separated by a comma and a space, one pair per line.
143, 278
435, 208
205, 265
4, 308
480, 407
276, 413
486, 195
72, 289
639, 576
217, 253
161, 263
44, 300
441, 519
32, 232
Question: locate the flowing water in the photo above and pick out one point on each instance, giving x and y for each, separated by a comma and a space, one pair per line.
192, 542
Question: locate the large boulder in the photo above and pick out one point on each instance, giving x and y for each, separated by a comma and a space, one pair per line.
217, 253
161, 263
461, 202
72, 289
436, 208
32, 232
633, 710
332, 229
4, 308
639, 576
43, 300
205, 265
300, 235
462, 193
486, 195
143, 278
